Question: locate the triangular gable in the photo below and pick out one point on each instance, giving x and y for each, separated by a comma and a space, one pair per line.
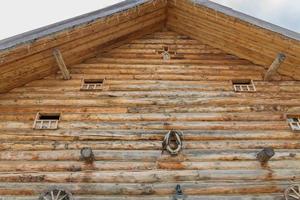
28, 56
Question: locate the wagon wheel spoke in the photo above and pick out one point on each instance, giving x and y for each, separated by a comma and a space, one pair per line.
45, 198
292, 192
63, 197
296, 192
52, 195
58, 194
294, 196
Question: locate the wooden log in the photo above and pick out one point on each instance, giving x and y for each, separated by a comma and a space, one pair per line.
9, 136
191, 188
151, 176
139, 164
162, 197
211, 23
61, 64
274, 67
45, 152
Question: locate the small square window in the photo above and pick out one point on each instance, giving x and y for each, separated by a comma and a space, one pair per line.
92, 84
294, 122
46, 121
243, 86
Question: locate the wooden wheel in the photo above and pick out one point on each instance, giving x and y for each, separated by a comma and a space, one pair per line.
292, 192
56, 194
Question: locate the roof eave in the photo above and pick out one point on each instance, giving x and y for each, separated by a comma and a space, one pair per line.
247, 18
72, 23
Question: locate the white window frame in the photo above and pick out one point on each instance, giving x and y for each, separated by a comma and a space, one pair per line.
243, 87
44, 124
91, 86
294, 122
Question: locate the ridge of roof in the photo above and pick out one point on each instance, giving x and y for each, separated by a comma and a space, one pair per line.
33, 35
247, 18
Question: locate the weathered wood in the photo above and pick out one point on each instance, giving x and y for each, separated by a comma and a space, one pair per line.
145, 97
256, 44
192, 188
61, 64
37, 62
274, 67
150, 197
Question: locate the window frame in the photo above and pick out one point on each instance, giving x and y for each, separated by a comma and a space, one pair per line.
93, 86
243, 85
46, 124
294, 122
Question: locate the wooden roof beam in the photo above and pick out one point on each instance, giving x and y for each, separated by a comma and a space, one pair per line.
275, 66
61, 64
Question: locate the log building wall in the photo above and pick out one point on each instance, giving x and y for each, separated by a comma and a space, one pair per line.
143, 98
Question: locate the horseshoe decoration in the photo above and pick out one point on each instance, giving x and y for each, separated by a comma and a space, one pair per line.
172, 142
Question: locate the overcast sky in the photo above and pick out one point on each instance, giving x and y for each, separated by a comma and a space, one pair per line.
285, 13
18, 16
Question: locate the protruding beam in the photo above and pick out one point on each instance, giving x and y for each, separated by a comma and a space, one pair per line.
265, 155
87, 154
61, 64
274, 67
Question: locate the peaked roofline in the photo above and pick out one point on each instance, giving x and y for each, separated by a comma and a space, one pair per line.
33, 35
247, 18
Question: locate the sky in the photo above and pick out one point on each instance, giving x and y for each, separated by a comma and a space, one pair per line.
19, 16
284, 13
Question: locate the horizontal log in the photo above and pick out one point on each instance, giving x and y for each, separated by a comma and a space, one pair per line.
155, 117
46, 153
153, 145
153, 176
138, 165
149, 125
122, 101
199, 188
150, 197
136, 135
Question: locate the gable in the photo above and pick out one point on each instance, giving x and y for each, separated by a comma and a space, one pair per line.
29, 56
237, 33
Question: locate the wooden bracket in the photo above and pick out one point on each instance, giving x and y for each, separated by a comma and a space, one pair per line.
61, 64
275, 66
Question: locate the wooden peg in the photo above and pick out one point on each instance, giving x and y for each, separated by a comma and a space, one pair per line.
61, 64
265, 155
275, 66
87, 154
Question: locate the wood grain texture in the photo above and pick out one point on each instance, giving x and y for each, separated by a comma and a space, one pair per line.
33, 61
143, 97
234, 35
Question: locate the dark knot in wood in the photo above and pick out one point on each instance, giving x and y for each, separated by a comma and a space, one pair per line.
265, 155
87, 154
